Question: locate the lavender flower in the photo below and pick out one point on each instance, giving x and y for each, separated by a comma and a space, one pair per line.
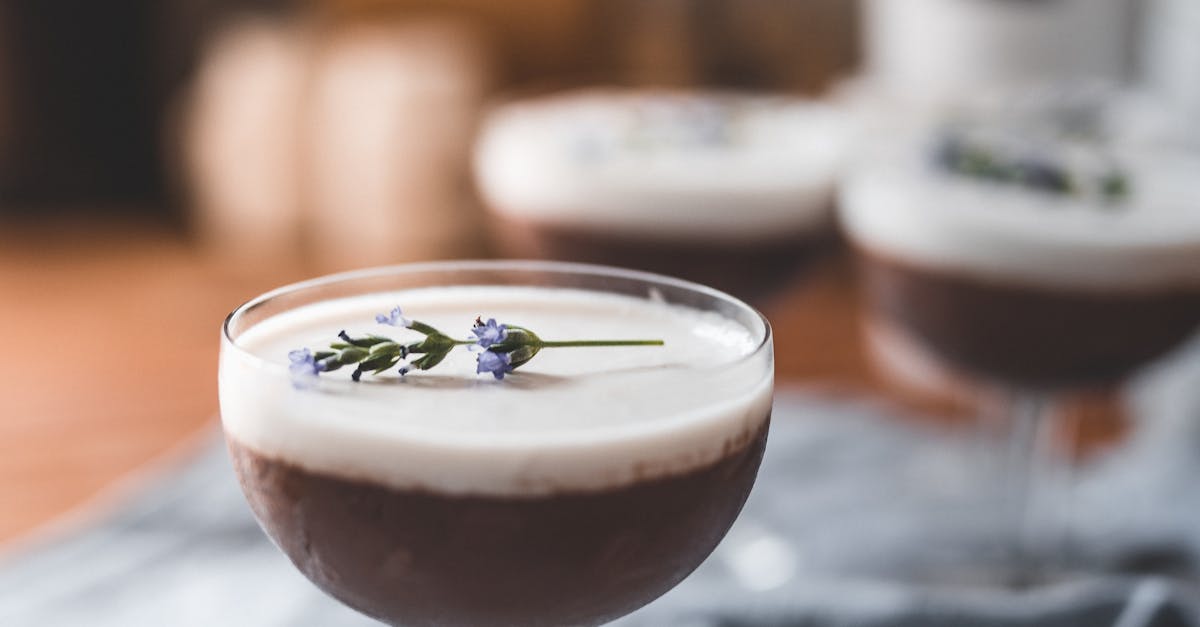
303, 369
502, 349
499, 364
394, 318
958, 155
487, 334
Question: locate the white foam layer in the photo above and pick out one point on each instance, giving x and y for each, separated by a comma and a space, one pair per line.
674, 164
571, 419
900, 206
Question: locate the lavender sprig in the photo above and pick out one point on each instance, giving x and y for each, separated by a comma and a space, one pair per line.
501, 349
1038, 173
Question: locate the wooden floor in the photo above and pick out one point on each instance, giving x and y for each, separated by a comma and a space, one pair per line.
110, 353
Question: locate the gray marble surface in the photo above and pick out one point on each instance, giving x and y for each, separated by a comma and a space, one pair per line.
851, 512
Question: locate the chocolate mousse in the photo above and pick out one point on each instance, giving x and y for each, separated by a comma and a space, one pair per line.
1029, 334
731, 190
754, 271
418, 557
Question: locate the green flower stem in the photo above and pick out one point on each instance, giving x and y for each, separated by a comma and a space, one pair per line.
375, 354
544, 344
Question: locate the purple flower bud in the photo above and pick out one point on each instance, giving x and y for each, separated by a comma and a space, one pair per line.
394, 318
488, 334
498, 364
303, 369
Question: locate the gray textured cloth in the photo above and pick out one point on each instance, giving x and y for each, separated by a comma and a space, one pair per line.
847, 505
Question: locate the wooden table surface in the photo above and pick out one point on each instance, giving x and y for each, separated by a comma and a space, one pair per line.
111, 353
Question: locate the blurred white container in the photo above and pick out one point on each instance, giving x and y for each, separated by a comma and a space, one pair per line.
392, 116
1171, 52
242, 143
933, 51
333, 147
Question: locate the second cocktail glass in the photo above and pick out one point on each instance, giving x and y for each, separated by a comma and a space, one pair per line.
731, 189
1036, 263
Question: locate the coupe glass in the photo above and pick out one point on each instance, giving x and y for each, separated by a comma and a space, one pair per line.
420, 557
1041, 245
1025, 349
732, 189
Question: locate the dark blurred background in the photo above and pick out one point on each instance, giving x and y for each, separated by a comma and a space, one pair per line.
90, 93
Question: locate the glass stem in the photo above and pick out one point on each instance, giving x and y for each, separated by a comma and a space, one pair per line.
1028, 470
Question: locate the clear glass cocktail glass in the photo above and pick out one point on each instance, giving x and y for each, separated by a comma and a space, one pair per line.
1023, 349
1032, 274
416, 556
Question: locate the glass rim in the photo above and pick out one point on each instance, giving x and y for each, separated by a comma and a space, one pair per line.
467, 265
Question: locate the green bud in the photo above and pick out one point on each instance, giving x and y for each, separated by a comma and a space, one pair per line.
520, 343
976, 162
1114, 186
522, 355
387, 366
386, 348
353, 355
522, 335
421, 327
434, 343
430, 360
329, 364
518, 337
364, 342
379, 363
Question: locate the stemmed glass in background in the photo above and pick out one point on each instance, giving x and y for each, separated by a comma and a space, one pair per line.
1040, 263
731, 189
